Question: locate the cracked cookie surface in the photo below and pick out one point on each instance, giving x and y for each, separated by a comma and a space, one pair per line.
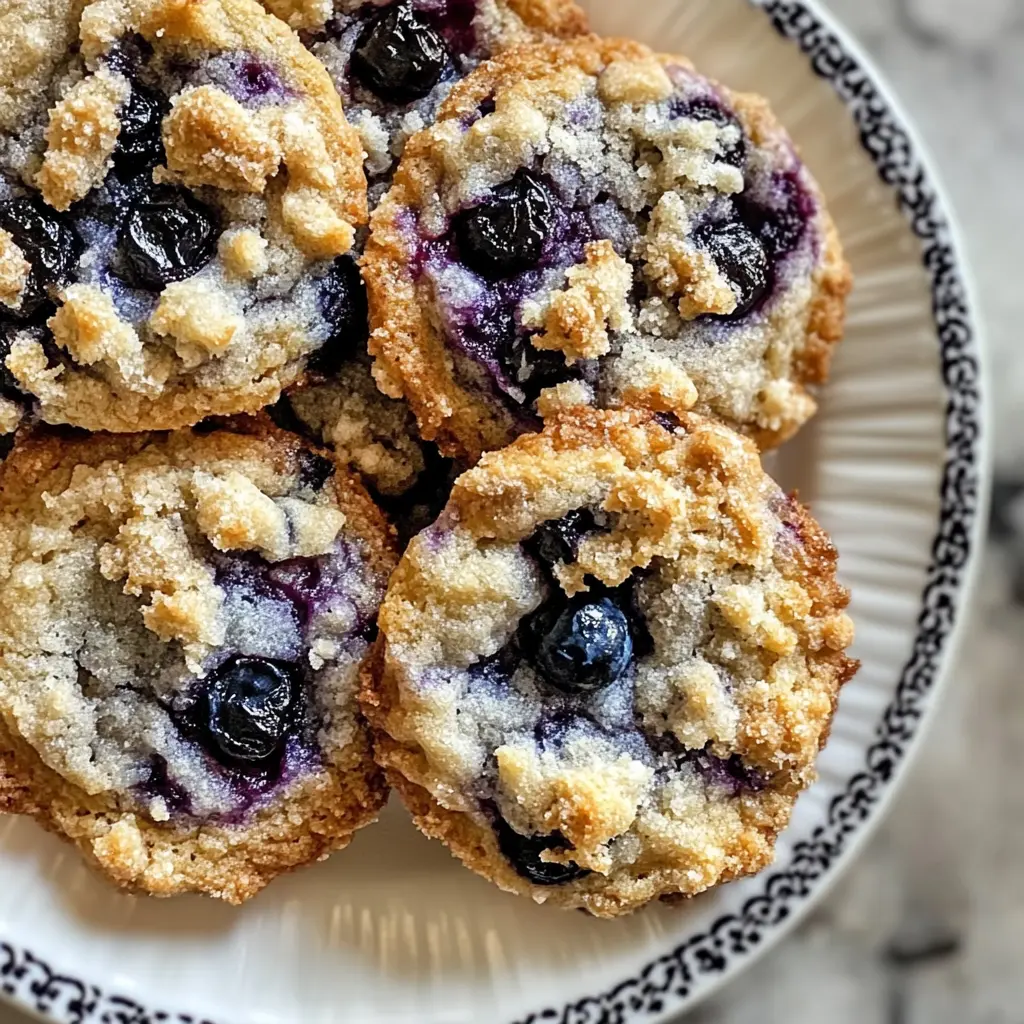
183, 619
604, 674
593, 212
174, 218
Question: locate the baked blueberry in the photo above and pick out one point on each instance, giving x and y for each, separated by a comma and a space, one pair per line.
49, 242
248, 709
139, 145
399, 56
529, 368
342, 301
741, 258
167, 235
733, 152
782, 225
587, 647
506, 233
524, 854
315, 470
558, 539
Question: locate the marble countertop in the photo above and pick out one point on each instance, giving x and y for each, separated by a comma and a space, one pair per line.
928, 926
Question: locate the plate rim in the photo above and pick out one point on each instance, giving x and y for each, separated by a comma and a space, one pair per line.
696, 968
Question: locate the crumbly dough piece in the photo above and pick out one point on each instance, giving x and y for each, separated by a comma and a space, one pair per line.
681, 238
676, 772
141, 578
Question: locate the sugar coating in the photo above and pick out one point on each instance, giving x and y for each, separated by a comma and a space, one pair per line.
254, 130
605, 125
131, 568
679, 774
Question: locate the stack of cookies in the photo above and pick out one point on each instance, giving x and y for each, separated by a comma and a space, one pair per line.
383, 385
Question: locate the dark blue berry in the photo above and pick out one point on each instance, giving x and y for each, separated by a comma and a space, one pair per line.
558, 540
342, 303
506, 233
532, 369
314, 470
781, 226
587, 647
523, 853
730, 773
734, 153
51, 245
741, 258
139, 144
399, 56
248, 710
167, 235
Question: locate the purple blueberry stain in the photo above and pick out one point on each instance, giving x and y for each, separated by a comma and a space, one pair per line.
728, 774
247, 77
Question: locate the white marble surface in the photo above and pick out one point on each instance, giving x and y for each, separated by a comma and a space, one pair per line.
928, 926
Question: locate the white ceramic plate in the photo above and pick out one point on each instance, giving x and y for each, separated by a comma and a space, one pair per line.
394, 929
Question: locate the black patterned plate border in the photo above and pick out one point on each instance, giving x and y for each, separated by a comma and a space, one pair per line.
671, 981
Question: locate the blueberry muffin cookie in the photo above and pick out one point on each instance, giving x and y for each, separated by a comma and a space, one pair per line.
174, 215
594, 212
183, 619
395, 61
605, 673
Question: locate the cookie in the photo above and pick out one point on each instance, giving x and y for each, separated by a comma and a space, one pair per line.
394, 61
593, 212
183, 618
176, 212
605, 672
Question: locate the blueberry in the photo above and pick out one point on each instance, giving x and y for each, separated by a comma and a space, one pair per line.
741, 258
506, 233
532, 369
523, 853
167, 235
782, 226
314, 470
49, 242
399, 56
587, 647
558, 540
249, 709
734, 153
342, 303
139, 143
730, 774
